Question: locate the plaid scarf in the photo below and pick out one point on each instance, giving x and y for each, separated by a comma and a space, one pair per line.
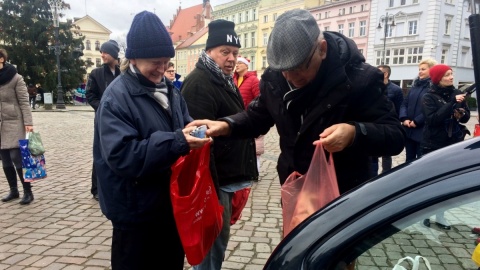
208, 62
159, 91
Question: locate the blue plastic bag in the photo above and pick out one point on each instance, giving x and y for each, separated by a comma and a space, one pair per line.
34, 167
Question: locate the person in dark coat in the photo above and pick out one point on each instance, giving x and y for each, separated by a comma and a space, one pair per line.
318, 88
32, 95
139, 134
98, 80
411, 110
445, 108
15, 121
395, 96
210, 93
173, 76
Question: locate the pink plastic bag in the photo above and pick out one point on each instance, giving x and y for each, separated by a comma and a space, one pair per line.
302, 195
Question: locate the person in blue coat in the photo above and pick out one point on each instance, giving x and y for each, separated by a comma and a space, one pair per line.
139, 134
395, 96
411, 111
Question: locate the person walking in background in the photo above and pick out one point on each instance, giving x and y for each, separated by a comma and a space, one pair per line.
210, 93
247, 82
395, 96
98, 80
411, 110
173, 76
16, 120
313, 94
40, 92
139, 134
444, 108
32, 95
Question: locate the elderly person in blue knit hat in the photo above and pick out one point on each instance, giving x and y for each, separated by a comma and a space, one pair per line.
98, 80
139, 134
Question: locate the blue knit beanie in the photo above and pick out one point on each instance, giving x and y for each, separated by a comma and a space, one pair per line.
148, 38
110, 47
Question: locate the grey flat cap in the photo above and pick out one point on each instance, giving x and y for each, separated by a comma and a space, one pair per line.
292, 39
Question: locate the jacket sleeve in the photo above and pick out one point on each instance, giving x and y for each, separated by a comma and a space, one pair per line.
403, 108
92, 91
435, 115
398, 99
129, 153
23, 101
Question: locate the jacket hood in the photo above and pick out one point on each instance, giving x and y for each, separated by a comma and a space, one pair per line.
177, 76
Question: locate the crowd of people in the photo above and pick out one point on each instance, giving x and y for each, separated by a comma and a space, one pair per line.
317, 89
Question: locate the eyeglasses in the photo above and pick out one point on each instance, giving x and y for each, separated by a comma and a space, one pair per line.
170, 71
303, 67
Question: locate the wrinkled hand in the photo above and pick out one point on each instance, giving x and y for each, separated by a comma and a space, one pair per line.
28, 128
194, 142
337, 137
214, 128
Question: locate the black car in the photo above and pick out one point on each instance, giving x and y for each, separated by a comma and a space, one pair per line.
383, 221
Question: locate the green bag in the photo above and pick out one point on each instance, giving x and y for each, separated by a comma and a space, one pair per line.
35, 144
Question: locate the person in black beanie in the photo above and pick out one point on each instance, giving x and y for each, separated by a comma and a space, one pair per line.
139, 134
211, 93
98, 80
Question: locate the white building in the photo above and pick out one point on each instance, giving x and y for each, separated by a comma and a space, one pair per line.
420, 29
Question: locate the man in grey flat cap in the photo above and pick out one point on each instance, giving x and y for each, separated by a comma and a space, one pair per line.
318, 88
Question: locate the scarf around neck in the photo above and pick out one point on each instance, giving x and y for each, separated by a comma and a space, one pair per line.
7, 73
208, 62
158, 91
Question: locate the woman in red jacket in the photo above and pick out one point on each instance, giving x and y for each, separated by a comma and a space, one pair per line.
247, 82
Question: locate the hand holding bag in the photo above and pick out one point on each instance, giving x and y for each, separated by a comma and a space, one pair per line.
35, 144
302, 195
197, 210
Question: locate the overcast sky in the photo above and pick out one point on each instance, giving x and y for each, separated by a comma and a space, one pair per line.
117, 15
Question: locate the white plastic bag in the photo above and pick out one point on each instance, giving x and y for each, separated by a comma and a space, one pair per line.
415, 263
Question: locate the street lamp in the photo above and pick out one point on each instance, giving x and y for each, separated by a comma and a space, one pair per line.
55, 6
385, 18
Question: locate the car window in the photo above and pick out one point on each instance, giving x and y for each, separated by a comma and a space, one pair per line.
409, 237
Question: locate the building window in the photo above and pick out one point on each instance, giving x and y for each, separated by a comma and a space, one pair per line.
363, 7
89, 45
415, 2
389, 30
326, 14
319, 16
247, 15
245, 40
351, 29
340, 28
398, 56
252, 62
240, 17
252, 36
264, 62
402, 2
448, 24
390, 3
274, 16
326, 28
98, 62
443, 57
449, 1
265, 39
414, 55
363, 28
352, 10
265, 19
97, 45
412, 27
254, 15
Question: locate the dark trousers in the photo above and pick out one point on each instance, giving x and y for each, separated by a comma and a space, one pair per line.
386, 165
412, 150
93, 189
33, 100
141, 248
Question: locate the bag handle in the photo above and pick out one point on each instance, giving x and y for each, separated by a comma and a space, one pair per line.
415, 263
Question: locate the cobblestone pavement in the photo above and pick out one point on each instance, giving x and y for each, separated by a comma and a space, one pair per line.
63, 228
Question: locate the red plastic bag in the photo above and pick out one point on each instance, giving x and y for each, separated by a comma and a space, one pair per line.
239, 200
476, 131
302, 195
197, 211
